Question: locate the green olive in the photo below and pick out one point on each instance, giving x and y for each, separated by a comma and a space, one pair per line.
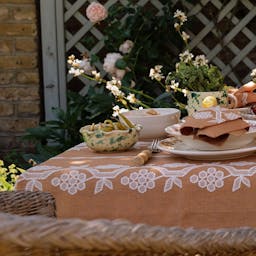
108, 125
92, 127
127, 121
108, 122
120, 126
107, 128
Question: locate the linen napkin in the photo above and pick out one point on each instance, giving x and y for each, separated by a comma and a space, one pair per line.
242, 96
214, 124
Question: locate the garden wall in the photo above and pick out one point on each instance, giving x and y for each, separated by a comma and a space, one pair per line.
19, 75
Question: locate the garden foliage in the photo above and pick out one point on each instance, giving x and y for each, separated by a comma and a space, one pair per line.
155, 42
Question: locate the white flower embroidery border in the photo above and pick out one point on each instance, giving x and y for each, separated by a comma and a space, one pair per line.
141, 179
218, 117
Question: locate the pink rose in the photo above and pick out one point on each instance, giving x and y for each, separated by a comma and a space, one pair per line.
126, 46
109, 65
96, 12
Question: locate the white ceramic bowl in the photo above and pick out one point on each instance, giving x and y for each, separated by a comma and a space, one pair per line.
153, 126
115, 140
232, 142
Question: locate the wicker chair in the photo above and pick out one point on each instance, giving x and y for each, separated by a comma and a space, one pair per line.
27, 203
39, 235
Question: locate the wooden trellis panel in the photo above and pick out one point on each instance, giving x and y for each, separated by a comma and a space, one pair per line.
229, 27
225, 31
227, 34
75, 10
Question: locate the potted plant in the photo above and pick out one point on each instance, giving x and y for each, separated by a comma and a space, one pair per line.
201, 83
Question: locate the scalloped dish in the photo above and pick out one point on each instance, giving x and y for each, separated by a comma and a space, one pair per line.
232, 141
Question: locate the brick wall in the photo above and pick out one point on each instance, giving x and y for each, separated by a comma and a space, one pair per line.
19, 76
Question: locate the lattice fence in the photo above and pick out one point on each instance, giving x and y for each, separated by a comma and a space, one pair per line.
225, 31
226, 34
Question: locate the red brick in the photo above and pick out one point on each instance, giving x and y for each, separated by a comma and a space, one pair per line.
28, 108
24, 13
16, 62
28, 78
17, 125
19, 29
26, 45
4, 13
6, 78
6, 109
20, 2
29, 93
6, 46
19, 77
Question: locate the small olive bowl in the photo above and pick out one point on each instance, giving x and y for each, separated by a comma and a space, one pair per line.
108, 141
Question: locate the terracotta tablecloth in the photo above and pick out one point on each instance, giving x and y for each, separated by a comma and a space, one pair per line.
168, 190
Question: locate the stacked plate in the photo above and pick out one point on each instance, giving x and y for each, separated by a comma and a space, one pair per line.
188, 147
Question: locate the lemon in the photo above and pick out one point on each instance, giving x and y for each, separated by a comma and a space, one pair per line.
209, 101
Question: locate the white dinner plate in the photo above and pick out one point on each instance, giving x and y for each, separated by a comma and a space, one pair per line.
230, 143
178, 148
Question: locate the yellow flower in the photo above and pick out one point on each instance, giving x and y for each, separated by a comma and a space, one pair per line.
209, 101
11, 166
22, 170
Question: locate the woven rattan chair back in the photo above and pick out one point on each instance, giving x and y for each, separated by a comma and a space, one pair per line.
39, 235
27, 203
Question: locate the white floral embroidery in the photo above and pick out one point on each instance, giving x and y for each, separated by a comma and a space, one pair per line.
244, 98
170, 182
238, 181
73, 177
231, 115
202, 115
44, 167
34, 178
140, 181
71, 182
209, 179
219, 114
101, 183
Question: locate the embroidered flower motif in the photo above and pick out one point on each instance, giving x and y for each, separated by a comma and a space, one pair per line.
140, 181
202, 115
96, 12
71, 182
209, 179
231, 116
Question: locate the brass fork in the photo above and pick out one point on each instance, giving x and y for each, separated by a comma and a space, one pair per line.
154, 146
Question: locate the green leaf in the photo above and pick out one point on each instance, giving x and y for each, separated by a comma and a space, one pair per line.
94, 58
121, 64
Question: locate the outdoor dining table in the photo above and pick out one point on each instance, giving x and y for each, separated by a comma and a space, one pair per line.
168, 190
